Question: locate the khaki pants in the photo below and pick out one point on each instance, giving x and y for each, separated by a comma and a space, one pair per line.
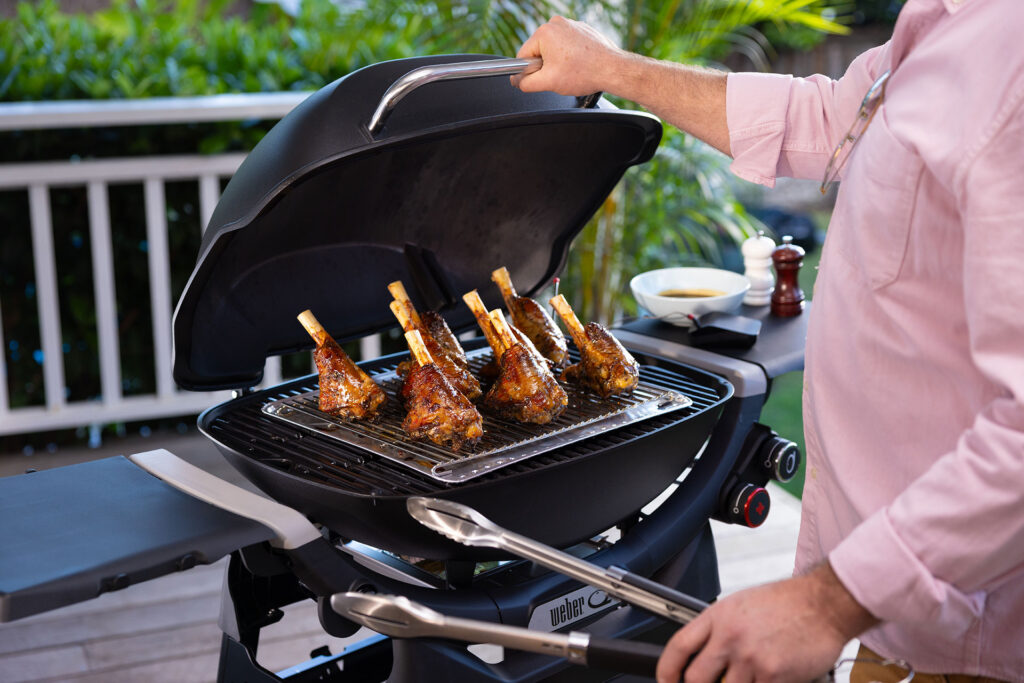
868, 672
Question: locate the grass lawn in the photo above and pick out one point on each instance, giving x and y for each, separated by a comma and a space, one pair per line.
782, 412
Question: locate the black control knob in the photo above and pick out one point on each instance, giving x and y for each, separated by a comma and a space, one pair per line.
748, 504
781, 458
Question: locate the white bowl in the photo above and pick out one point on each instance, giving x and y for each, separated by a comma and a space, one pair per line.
647, 288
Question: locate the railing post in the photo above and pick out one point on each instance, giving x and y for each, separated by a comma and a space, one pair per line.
159, 284
46, 295
105, 293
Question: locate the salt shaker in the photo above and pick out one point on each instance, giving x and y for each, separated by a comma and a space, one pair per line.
788, 298
757, 261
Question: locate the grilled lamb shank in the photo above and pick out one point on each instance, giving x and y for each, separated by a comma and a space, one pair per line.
437, 328
436, 410
533, 320
345, 390
445, 351
605, 366
525, 390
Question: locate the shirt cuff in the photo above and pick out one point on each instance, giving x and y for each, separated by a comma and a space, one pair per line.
888, 580
755, 110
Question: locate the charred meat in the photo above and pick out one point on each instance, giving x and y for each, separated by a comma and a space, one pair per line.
446, 353
345, 390
436, 410
533, 320
524, 390
605, 366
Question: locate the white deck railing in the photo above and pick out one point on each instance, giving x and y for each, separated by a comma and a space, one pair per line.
37, 178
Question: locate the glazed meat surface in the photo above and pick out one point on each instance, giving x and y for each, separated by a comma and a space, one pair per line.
437, 411
606, 367
535, 323
526, 390
458, 376
533, 320
345, 390
436, 327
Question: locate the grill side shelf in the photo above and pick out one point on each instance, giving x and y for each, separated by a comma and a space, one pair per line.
504, 442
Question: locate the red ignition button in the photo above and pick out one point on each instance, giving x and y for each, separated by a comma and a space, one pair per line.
755, 503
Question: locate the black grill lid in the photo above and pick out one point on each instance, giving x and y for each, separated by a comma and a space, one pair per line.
464, 177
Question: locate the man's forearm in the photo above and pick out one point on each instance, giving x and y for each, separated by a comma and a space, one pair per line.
690, 98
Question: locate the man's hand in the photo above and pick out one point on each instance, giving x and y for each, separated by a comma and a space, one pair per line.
577, 59
792, 630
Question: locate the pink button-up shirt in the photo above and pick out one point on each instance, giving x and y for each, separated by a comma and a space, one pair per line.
914, 391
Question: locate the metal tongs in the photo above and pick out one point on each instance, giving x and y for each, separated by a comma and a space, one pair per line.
400, 617
465, 525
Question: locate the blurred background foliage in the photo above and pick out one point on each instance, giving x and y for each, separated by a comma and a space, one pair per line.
680, 208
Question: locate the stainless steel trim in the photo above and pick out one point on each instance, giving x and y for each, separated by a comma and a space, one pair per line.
576, 650
445, 72
504, 442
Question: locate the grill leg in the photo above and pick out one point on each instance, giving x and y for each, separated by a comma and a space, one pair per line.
238, 666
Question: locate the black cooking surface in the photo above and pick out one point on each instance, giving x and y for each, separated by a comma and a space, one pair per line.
245, 428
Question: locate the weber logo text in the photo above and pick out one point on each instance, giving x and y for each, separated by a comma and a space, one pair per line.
570, 608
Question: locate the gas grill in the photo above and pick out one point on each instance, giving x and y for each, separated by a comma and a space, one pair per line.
433, 171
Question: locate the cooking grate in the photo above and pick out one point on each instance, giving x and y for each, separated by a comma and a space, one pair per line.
504, 442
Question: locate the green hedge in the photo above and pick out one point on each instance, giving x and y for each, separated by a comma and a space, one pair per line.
151, 49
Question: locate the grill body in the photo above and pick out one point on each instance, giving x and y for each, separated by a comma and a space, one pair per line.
560, 497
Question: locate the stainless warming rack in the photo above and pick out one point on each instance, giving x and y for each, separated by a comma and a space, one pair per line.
504, 442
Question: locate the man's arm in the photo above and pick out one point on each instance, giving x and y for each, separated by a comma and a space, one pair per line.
578, 60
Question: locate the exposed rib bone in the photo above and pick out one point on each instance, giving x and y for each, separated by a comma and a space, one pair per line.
418, 348
397, 290
567, 315
502, 329
476, 305
502, 278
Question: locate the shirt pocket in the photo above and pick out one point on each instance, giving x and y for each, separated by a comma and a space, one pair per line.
876, 207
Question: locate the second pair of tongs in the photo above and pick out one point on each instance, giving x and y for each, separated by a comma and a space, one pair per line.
399, 617
465, 525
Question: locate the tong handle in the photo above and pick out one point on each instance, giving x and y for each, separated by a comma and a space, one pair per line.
655, 588
451, 72
624, 656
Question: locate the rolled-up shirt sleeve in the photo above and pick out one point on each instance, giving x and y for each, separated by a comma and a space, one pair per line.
956, 534
785, 126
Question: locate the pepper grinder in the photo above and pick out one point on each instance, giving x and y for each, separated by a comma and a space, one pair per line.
757, 262
788, 298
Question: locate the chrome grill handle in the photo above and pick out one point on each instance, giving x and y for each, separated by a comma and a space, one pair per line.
456, 71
